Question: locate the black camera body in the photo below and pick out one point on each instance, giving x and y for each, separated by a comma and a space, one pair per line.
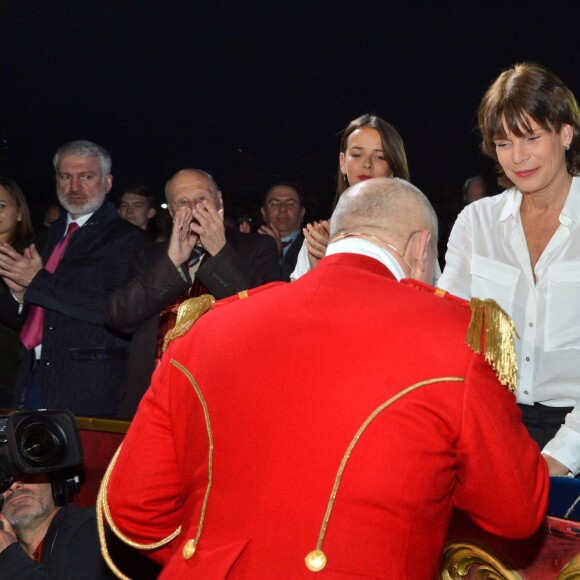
44, 441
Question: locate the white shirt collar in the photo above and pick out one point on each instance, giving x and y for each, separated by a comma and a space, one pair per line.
570, 211
512, 204
366, 248
81, 221
291, 237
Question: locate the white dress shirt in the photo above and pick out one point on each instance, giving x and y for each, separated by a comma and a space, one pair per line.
488, 257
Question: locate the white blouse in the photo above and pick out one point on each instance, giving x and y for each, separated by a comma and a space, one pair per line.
488, 257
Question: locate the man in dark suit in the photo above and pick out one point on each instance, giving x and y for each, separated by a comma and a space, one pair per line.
201, 257
59, 288
283, 212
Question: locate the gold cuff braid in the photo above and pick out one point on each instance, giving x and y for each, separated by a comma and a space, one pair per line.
103, 509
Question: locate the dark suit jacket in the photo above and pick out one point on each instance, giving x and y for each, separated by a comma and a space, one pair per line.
83, 362
288, 262
246, 261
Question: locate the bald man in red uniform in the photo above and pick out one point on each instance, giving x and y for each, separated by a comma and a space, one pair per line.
280, 438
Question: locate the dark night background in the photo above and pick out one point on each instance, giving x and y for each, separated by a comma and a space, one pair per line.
253, 90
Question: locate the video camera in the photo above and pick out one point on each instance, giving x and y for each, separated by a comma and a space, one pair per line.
42, 441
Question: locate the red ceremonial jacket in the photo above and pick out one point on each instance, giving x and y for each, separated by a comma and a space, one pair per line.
269, 433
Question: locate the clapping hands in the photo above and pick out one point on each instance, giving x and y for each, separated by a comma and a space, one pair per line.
317, 235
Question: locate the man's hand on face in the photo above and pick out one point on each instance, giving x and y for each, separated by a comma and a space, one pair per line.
7, 535
209, 227
183, 238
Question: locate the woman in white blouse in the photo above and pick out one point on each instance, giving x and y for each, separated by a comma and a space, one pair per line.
369, 147
522, 248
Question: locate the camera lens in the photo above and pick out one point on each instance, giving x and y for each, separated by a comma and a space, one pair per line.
40, 445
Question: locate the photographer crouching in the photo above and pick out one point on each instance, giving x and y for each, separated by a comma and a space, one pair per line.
42, 534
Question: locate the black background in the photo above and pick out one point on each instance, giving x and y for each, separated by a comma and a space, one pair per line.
254, 90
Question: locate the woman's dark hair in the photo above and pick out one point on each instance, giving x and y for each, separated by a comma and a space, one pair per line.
23, 229
393, 148
528, 91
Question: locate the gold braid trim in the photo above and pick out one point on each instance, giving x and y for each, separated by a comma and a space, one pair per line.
189, 312
316, 559
103, 508
103, 505
209, 431
500, 352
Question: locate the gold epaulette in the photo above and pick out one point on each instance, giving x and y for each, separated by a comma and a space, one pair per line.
494, 328
191, 310
490, 330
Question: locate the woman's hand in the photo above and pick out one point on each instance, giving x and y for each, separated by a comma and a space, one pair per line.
316, 235
555, 467
20, 269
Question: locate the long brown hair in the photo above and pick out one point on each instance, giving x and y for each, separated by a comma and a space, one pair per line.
23, 229
393, 148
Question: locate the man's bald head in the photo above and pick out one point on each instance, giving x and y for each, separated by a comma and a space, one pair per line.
190, 187
389, 204
398, 215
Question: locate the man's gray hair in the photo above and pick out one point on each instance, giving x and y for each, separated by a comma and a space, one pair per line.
84, 149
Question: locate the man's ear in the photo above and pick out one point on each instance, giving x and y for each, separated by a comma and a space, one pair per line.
220, 200
263, 211
151, 213
418, 252
108, 182
424, 245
